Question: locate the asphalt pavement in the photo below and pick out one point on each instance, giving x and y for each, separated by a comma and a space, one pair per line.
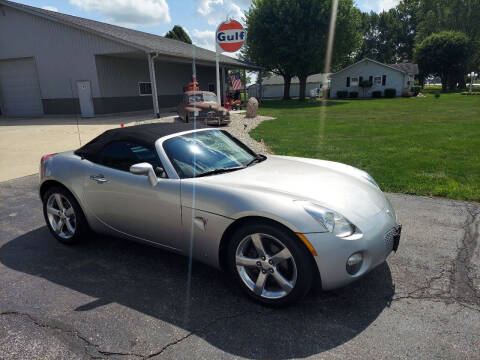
114, 299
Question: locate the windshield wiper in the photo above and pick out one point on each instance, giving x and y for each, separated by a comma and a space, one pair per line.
258, 158
221, 171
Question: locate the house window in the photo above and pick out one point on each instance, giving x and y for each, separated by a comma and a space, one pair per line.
145, 88
384, 80
354, 81
348, 81
211, 87
377, 80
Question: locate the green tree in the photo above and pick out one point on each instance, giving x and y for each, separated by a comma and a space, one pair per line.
289, 37
452, 15
389, 36
178, 33
445, 54
267, 40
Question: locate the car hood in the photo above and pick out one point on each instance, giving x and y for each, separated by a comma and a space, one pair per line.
206, 106
337, 186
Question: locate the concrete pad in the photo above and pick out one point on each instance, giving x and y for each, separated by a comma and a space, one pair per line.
24, 141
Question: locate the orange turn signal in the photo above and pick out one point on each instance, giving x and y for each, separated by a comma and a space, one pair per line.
307, 244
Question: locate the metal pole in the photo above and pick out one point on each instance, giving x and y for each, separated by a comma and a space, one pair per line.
217, 63
245, 87
260, 79
224, 84
471, 82
153, 82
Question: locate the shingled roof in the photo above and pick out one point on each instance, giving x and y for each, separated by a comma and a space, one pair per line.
141, 40
409, 68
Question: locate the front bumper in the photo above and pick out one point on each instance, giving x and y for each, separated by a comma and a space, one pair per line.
214, 120
376, 242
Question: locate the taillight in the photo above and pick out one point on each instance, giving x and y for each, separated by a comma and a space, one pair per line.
45, 157
42, 164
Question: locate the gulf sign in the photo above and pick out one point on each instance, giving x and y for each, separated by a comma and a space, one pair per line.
230, 35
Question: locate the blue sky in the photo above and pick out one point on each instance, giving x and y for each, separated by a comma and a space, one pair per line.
198, 17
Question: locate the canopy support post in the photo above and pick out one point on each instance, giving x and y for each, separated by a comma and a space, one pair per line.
153, 82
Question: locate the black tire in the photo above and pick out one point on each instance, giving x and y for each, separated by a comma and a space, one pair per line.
82, 229
186, 119
301, 256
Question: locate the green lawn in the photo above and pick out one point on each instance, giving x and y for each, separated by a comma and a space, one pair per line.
423, 146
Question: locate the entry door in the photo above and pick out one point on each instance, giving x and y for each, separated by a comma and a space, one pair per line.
129, 204
85, 98
19, 88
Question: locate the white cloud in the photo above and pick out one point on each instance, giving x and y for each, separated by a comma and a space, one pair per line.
377, 5
217, 11
204, 38
128, 12
51, 8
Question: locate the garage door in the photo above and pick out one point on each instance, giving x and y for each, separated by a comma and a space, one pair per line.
19, 89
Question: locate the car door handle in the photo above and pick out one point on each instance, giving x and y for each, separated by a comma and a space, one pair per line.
100, 179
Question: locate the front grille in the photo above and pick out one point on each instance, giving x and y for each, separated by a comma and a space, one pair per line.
390, 236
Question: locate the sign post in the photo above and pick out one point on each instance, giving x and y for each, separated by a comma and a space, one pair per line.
217, 55
229, 37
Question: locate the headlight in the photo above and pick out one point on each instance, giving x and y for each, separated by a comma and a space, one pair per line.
332, 221
224, 112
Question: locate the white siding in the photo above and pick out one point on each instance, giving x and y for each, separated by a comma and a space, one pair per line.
119, 77
395, 79
276, 91
62, 54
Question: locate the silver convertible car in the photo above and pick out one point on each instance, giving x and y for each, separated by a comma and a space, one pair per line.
277, 224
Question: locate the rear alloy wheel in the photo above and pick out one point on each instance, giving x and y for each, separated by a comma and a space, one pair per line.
63, 216
270, 264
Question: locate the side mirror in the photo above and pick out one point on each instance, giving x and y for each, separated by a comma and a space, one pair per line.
145, 169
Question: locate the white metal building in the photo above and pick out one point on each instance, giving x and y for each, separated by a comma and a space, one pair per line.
53, 63
272, 87
382, 76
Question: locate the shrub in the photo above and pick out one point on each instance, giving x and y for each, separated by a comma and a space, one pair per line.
416, 90
376, 94
353, 94
390, 93
437, 94
342, 94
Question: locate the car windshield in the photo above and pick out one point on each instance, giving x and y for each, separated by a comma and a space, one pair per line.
204, 152
202, 98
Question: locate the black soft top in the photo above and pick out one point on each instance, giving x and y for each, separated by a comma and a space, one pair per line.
145, 135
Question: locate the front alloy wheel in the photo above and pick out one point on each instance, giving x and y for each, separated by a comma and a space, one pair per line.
266, 266
270, 263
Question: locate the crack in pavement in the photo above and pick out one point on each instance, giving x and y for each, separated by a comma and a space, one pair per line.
460, 289
204, 329
462, 284
103, 353
73, 333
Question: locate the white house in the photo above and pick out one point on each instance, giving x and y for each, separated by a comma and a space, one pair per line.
400, 77
272, 87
